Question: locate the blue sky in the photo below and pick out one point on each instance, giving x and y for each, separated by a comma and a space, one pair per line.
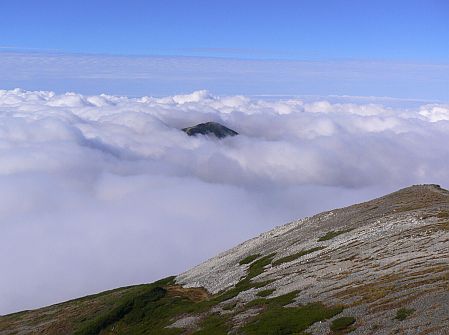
314, 29
395, 32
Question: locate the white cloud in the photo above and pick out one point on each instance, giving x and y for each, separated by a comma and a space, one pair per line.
435, 112
102, 191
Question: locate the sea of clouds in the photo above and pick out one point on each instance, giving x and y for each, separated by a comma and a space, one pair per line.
104, 191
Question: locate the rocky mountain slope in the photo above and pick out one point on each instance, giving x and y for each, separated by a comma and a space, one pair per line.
380, 267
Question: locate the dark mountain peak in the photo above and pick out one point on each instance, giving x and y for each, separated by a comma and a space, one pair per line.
210, 128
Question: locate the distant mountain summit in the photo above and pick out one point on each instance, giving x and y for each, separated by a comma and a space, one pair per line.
210, 128
378, 268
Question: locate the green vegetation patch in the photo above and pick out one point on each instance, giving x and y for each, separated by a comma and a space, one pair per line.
343, 323
279, 301
265, 293
404, 313
255, 269
230, 306
331, 234
249, 259
146, 311
214, 324
279, 320
296, 256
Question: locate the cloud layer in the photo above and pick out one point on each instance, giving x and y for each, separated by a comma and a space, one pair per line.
156, 75
102, 191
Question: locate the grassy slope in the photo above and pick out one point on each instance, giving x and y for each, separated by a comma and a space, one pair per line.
64, 318
150, 308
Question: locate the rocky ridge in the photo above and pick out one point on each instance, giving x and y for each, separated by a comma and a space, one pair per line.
375, 258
